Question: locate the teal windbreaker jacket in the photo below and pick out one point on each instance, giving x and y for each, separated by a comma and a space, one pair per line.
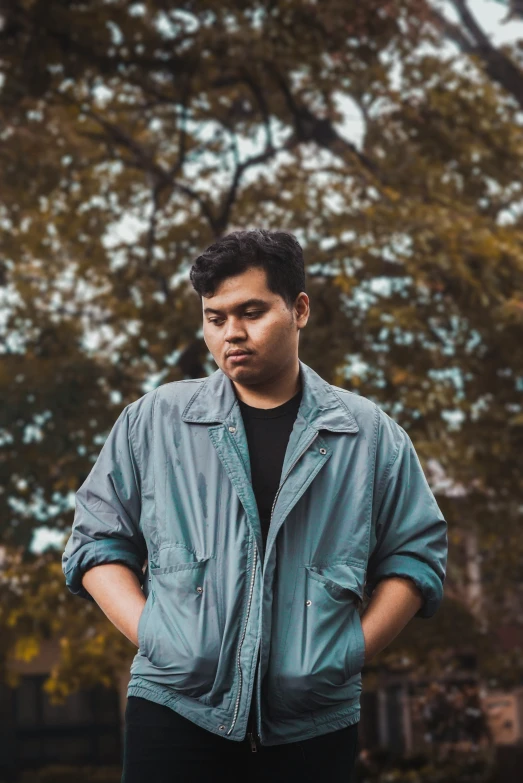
170, 496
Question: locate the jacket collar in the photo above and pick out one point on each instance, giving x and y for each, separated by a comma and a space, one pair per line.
320, 406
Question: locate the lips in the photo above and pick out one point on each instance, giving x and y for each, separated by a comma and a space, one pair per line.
240, 353
237, 358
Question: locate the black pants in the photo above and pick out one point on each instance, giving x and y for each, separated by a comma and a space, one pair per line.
161, 746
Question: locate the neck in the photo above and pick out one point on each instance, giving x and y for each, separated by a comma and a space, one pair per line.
274, 392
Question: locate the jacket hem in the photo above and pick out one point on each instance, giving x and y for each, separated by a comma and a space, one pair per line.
188, 708
314, 727
279, 733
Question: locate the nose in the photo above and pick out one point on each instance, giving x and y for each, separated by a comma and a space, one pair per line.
234, 330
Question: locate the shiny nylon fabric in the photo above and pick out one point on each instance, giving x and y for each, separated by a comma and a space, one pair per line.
171, 489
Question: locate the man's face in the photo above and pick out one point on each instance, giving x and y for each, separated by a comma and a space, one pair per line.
265, 328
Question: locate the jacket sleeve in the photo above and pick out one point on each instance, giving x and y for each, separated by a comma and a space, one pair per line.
411, 533
107, 513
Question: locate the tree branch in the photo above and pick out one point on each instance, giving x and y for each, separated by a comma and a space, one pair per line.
473, 41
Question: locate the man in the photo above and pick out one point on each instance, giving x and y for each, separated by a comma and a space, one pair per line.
265, 501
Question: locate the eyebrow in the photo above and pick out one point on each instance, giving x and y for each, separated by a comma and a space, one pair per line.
248, 303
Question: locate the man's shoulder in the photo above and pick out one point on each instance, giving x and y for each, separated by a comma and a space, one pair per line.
369, 414
356, 403
166, 395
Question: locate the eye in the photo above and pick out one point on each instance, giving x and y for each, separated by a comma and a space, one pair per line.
249, 314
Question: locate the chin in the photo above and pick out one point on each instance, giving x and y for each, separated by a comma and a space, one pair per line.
239, 373
235, 371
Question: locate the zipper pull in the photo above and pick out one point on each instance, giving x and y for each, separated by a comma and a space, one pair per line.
254, 749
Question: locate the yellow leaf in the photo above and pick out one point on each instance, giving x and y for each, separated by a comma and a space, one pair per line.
26, 648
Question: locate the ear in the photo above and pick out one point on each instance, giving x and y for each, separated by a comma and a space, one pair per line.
301, 309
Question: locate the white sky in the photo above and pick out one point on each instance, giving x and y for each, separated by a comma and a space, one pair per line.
490, 15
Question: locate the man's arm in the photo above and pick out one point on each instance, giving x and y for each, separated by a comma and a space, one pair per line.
106, 527
410, 536
116, 589
393, 603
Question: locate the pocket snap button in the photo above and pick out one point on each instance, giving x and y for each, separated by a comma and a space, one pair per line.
323, 451
232, 429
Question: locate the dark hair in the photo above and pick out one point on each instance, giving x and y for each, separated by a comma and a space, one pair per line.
278, 252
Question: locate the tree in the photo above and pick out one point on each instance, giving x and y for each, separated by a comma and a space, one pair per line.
136, 133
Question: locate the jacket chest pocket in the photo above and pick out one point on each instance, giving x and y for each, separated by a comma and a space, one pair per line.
325, 646
178, 629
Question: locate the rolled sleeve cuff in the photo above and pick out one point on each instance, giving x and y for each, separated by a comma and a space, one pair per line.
423, 576
97, 553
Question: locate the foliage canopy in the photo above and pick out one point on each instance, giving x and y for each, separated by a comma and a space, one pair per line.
133, 134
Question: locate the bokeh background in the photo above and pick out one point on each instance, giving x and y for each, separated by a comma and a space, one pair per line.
387, 135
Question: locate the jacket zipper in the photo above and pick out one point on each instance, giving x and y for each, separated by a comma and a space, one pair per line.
250, 734
241, 641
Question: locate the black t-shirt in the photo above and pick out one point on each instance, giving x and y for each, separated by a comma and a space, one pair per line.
268, 432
